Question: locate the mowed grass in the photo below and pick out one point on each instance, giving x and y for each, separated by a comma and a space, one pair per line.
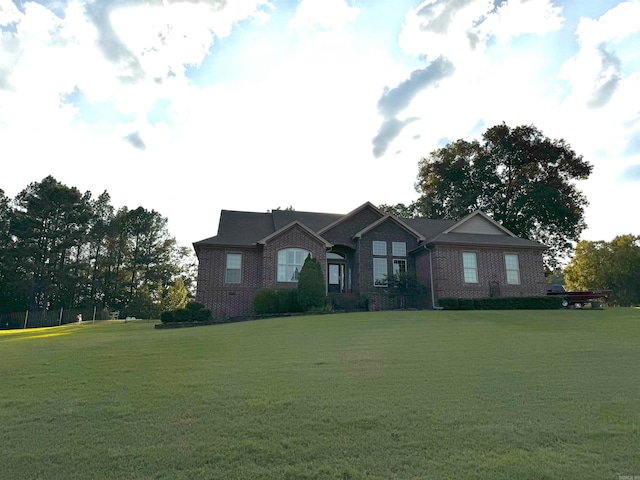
421, 394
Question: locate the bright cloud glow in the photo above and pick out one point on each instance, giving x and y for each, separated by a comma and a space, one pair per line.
191, 106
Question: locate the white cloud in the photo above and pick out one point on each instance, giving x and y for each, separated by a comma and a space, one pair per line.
327, 14
518, 17
9, 13
458, 29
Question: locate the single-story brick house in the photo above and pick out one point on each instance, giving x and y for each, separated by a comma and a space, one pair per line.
475, 257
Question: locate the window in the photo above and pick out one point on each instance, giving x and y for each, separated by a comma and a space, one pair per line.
399, 266
379, 248
234, 268
290, 261
470, 265
513, 269
399, 249
380, 272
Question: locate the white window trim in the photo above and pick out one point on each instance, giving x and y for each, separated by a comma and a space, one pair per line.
286, 265
474, 268
382, 274
507, 270
379, 244
399, 249
227, 269
396, 261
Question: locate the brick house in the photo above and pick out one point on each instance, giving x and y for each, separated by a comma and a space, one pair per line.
475, 257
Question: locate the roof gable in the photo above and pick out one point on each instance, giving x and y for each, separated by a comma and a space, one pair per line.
290, 226
479, 223
365, 206
389, 218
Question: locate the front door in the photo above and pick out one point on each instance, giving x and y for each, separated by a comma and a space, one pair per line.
336, 277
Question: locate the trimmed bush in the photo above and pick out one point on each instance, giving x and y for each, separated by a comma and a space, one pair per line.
311, 286
272, 302
182, 315
349, 301
201, 315
194, 306
501, 303
288, 301
167, 317
265, 302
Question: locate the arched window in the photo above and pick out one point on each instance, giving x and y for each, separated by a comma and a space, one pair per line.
290, 261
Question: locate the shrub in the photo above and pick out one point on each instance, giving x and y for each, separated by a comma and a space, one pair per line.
271, 302
167, 317
201, 315
265, 302
349, 301
311, 286
501, 303
288, 301
182, 315
194, 306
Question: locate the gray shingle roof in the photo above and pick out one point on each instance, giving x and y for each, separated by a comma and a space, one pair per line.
247, 228
479, 239
429, 228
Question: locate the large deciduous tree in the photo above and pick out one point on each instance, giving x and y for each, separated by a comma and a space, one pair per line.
520, 177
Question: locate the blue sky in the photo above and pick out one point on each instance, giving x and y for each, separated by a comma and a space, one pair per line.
192, 106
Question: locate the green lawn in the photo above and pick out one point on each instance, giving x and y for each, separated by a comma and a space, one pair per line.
452, 395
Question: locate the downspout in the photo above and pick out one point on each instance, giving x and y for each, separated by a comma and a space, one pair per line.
433, 298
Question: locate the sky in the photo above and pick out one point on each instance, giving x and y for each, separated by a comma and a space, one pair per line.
188, 107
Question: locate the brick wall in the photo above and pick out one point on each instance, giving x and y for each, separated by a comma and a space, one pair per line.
343, 232
223, 299
388, 231
449, 274
295, 237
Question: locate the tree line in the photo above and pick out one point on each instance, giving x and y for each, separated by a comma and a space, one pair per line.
63, 248
613, 265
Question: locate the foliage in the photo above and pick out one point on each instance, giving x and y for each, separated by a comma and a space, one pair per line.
405, 288
270, 302
501, 303
518, 176
607, 265
182, 315
191, 312
265, 302
349, 301
311, 285
62, 248
288, 301
175, 296
199, 313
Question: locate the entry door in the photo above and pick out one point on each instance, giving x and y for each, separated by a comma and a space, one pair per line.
336, 278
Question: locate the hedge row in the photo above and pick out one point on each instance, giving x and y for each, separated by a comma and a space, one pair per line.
193, 312
501, 303
349, 302
270, 302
